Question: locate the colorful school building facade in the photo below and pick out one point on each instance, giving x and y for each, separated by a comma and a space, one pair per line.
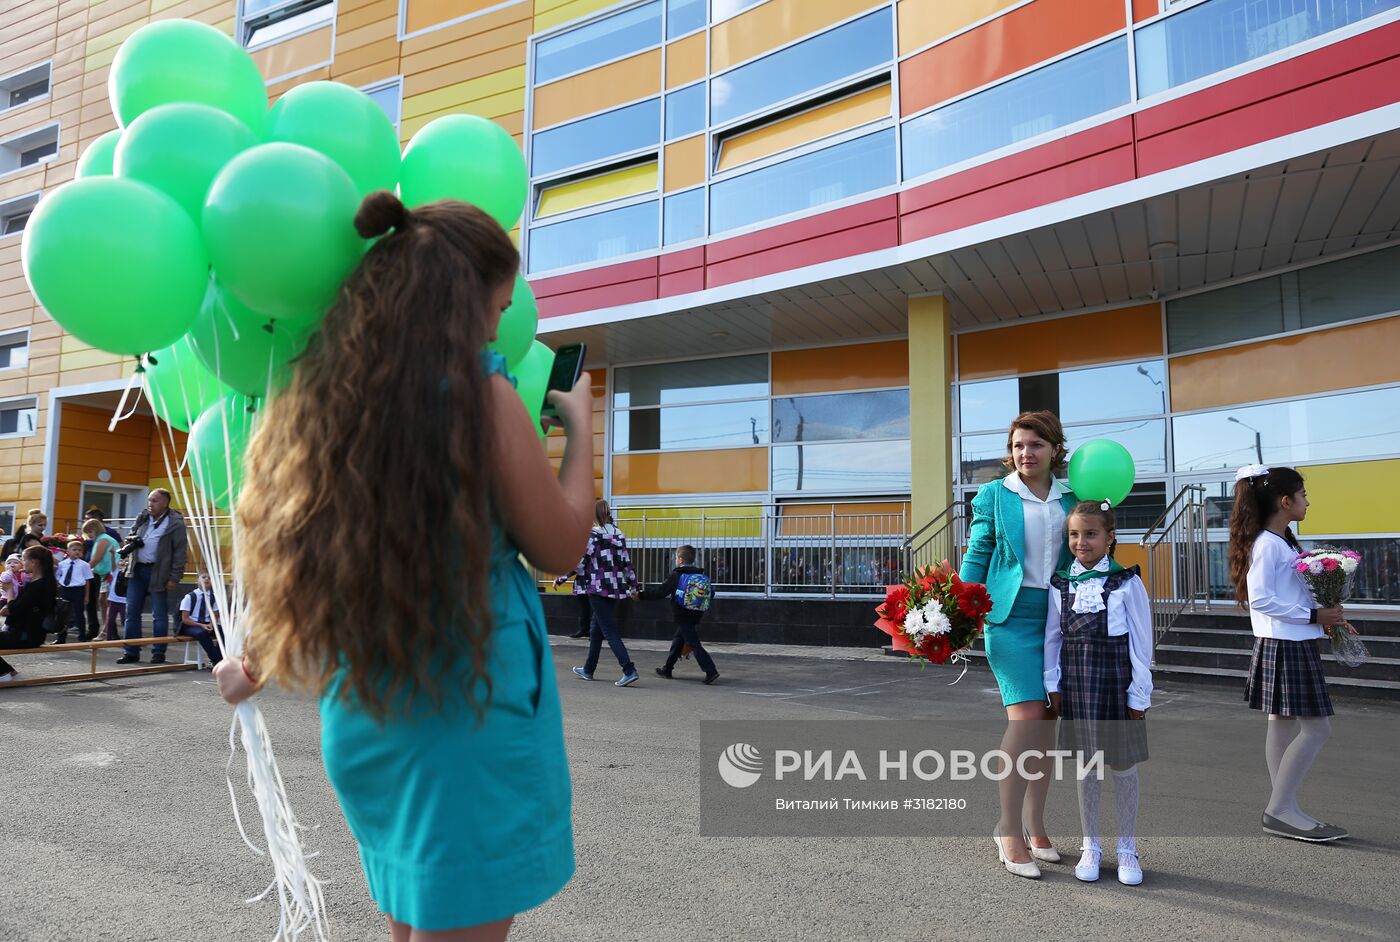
822, 251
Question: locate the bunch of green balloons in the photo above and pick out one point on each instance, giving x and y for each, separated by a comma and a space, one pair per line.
208, 235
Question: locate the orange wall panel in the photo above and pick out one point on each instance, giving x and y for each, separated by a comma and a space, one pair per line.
1061, 343
685, 163
1142, 9
295, 54
1020, 39
1322, 361
774, 23
598, 89
691, 472
832, 369
422, 14
685, 60
921, 22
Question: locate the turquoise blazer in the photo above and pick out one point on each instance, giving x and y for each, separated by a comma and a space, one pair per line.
996, 543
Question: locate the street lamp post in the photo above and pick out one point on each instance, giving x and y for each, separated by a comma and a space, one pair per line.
1258, 438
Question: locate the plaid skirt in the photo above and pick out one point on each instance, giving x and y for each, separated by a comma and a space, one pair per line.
1095, 672
1286, 679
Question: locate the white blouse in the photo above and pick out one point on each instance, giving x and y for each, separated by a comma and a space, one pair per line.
1280, 605
1045, 530
1129, 613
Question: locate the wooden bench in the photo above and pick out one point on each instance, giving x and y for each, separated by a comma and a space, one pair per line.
187, 662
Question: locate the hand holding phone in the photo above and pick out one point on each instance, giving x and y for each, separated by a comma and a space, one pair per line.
568, 365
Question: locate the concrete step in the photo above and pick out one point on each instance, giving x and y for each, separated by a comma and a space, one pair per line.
1381, 646
1220, 676
1374, 624
1377, 668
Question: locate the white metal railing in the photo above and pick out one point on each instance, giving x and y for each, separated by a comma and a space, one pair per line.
1177, 559
942, 538
222, 525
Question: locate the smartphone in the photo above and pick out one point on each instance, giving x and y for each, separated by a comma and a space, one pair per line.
568, 365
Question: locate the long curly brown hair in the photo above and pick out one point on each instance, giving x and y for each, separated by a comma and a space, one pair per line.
1256, 499
379, 451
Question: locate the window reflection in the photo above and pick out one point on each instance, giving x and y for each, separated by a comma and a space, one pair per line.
1145, 440
1351, 425
685, 111
834, 173
1058, 94
683, 216
692, 381
979, 458
1350, 288
802, 67
600, 41
580, 142
592, 238
683, 16
1237, 312
870, 415
989, 405
726, 424
1110, 392
867, 467
1222, 33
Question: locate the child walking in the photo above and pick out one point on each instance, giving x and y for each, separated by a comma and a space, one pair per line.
690, 592
1098, 656
1285, 673
74, 574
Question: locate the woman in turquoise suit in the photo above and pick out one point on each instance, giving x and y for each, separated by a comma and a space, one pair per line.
1015, 544
422, 632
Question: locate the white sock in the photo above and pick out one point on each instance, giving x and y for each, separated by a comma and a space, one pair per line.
1125, 794
1090, 787
1294, 766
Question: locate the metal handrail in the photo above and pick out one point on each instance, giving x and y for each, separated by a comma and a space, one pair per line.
943, 543
1177, 559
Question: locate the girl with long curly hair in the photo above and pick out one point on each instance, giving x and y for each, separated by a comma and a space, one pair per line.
441, 728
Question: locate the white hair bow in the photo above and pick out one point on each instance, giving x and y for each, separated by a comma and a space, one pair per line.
1251, 471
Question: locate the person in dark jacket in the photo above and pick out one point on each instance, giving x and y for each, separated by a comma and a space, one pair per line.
690, 592
24, 617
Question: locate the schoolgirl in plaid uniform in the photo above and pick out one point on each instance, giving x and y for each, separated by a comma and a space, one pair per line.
1285, 671
1098, 677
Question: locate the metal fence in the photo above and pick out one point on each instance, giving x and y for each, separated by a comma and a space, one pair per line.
1178, 578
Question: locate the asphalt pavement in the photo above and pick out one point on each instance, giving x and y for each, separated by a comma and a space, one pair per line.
116, 823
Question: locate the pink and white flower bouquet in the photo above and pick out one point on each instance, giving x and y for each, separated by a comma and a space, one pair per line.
1329, 573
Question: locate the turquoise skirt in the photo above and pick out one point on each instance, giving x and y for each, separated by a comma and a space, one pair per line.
1016, 648
461, 822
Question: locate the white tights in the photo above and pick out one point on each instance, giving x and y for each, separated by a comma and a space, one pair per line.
1125, 795
1291, 746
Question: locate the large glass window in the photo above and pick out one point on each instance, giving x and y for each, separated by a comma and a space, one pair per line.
1070, 90
813, 63
1146, 441
1225, 315
592, 238
683, 216
989, 405
842, 416
600, 41
693, 381
980, 456
714, 425
685, 111
1111, 392
1353, 287
864, 467
834, 173
1326, 428
684, 16
1219, 34
603, 135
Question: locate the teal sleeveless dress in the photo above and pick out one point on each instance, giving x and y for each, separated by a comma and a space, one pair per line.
461, 823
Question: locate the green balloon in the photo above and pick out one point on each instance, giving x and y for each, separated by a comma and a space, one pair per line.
179, 149
97, 159
1101, 469
179, 386
247, 351
218, 439
516, 331
184, 60
532, 379
469, 158
344, 124
119, 265
279, 223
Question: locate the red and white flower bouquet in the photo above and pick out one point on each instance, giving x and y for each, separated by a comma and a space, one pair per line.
1328, 573
933, 615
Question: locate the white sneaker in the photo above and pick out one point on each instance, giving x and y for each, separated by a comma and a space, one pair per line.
1129, 869
1088, 867
9, 678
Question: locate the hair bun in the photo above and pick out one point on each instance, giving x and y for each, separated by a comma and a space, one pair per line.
379, 212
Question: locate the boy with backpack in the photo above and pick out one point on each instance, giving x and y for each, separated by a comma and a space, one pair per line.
690, 592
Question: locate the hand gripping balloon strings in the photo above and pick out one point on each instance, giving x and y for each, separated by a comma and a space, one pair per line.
301, 903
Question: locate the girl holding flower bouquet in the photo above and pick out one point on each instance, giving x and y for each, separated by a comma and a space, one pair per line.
1285, 673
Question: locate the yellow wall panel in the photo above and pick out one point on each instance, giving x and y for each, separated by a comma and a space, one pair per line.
608, 186
685, 60
771, 24
1059, 343
1322, 361
685, 163
691, 472
833, 118
423, 14
598, 89
295, 54
920, 22
509, 81
1342, 498
551, 13
833, 369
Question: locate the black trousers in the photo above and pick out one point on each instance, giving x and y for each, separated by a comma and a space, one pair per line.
13, 640
688, 632
94, 623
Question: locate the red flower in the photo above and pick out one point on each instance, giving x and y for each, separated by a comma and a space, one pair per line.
973, 599
930, 578
1330, 565
896, 604
937, 649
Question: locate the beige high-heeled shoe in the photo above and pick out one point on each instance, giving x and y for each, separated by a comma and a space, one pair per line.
1029, 870
1047, 854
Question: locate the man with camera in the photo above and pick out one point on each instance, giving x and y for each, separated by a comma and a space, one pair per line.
154, 557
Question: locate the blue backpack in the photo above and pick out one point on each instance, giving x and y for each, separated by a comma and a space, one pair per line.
693, 592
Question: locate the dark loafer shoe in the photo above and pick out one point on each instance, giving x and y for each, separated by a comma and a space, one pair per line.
1320, 834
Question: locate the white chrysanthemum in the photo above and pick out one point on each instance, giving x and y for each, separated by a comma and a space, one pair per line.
1314, 566
1348, 565
916, 623
938, 623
